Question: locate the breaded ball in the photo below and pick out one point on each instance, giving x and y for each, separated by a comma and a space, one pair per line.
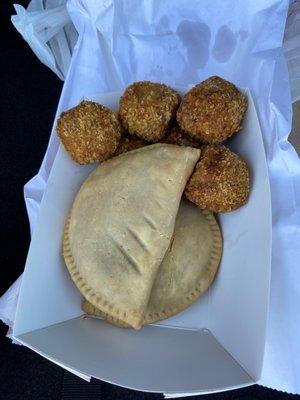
220, 181
90, 132
178, 137
128, 143
212, 111
147, 108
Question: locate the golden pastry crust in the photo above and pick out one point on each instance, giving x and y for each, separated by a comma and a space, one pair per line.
90, 132
187, 270
89, 309
147, 108
178, 137
212, 111
220, 181
128, 143
117, 233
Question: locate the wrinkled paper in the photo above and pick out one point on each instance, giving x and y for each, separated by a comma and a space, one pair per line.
47, 28
181, 43
291, 48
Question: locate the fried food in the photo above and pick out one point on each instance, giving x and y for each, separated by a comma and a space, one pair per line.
177, 136
147, 108
121, 224
212, 111
128, 143
187, 270
220, 181
174, 136
90, 132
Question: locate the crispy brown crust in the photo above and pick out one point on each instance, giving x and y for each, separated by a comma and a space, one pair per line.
90, 132
174, 136
177, 136
212, 111
220, 182
128, 143
147, 108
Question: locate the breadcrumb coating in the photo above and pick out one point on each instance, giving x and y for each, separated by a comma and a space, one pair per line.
128, 143
220, 181
147, 108
212, 111
90, 132
177, 136
174, 136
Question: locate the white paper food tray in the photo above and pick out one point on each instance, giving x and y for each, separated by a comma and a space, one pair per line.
216, 344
